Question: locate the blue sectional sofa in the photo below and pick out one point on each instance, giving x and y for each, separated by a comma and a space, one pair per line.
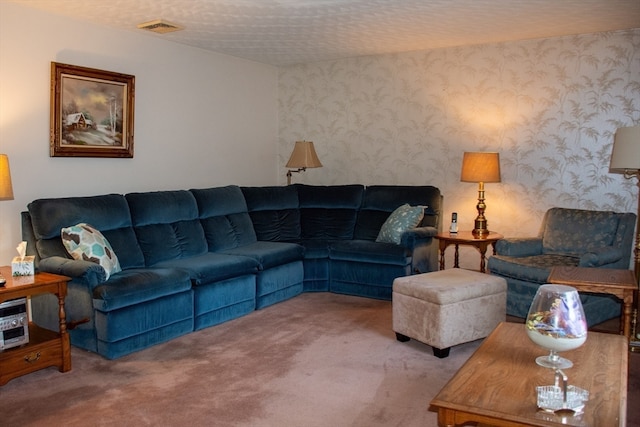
191, 259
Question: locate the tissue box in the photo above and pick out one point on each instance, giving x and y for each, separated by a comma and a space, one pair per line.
22, 266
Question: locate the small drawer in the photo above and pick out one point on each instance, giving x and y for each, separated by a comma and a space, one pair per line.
20, 361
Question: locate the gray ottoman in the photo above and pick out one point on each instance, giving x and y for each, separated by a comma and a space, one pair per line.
448, 307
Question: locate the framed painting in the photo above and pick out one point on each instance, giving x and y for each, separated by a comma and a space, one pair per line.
91, 112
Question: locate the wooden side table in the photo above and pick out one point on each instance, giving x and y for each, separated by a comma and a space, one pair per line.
621, 283
45, 348
467, 238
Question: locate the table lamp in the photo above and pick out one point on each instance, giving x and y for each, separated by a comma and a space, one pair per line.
6, 188
302, 157
480, 167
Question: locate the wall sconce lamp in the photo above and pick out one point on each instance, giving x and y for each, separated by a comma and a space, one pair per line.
480, 167
302, 157
625, 159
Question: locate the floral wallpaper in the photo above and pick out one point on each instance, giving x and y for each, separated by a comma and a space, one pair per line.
550, 107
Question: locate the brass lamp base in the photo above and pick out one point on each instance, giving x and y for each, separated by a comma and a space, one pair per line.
480, 229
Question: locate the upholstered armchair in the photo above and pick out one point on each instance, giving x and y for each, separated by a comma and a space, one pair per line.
571, 237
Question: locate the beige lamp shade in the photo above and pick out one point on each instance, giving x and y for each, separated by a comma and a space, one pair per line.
626, 150
6, 189
480, 167
304, 156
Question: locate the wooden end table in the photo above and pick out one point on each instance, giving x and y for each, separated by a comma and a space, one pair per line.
497, 385
620, 283
467, 238
45, 348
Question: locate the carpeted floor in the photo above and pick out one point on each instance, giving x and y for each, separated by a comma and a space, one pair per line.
316, 360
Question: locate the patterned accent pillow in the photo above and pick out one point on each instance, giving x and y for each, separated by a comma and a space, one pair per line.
84, 242
402, 219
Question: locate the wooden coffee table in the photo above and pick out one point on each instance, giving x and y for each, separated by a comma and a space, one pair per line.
621, 283
497, 385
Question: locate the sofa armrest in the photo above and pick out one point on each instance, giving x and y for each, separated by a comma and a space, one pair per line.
519, 247
86, 272
416, 236
600, 257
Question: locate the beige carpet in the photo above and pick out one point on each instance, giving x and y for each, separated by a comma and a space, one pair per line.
316, 360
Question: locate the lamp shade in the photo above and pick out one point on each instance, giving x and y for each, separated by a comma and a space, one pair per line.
6, 189
626, 150
480, 167
304, 156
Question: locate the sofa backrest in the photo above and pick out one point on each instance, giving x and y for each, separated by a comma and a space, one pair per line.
224, 217
107, 213
577, 231
274, 211
167, 225
329, 212
381, 200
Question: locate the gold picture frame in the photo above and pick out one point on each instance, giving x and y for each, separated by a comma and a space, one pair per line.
91, 112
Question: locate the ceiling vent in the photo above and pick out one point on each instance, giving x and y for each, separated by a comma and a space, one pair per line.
160, 26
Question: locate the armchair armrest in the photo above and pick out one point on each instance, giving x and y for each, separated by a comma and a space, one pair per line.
600, 257
519, 247
416, 236
86, 272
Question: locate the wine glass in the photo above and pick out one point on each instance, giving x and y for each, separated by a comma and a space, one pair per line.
556, 321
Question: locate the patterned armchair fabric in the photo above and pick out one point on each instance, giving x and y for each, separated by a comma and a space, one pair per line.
572, 237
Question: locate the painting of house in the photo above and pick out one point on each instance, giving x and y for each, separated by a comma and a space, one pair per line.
77, 121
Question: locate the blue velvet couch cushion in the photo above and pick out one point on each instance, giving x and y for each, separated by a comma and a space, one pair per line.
329, 212
135, 286
270, 254
224, 217
274, 212
370, 252
108, 213
576, 231
228, 228
211, 267
381, 200
167, 225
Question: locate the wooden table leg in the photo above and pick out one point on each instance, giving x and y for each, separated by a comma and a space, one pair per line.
64, 335
483, 251
626, 314
443, 247
446, 418
456, 257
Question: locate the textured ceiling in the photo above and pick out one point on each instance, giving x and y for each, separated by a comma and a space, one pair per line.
283, 32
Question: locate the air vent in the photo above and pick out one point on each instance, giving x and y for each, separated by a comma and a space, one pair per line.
160, 26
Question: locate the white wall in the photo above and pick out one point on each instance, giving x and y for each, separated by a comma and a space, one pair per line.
201, 119
550, 107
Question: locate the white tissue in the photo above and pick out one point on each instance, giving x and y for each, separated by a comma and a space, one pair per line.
22, 250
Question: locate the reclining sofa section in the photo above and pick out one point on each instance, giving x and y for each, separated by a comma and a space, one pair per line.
191, 259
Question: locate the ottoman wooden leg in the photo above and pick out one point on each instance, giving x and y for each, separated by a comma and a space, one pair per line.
402, 338
441, 352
